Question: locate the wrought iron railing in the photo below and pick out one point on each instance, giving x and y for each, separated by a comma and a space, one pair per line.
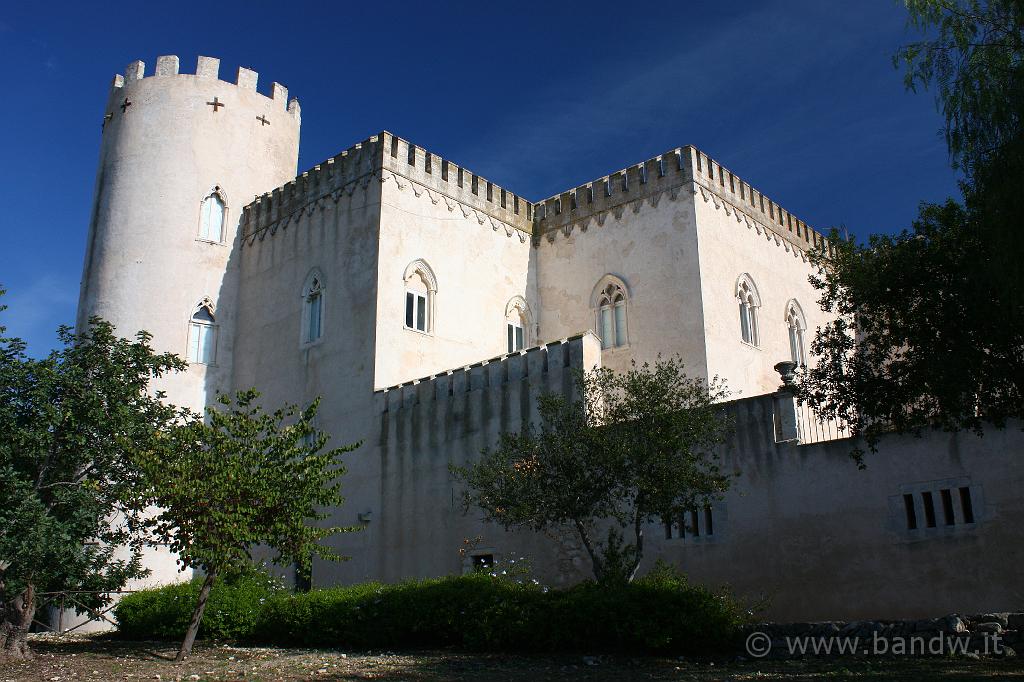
814, 429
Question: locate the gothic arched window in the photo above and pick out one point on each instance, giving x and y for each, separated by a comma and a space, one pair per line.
517, 324
211, 216
749, 302
312, 307
611, 312
420, 289
202, 334
797, 328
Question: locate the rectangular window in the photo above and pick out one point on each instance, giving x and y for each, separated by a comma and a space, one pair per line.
929, 509
606, 328
416, 311
709, 521
410, 309
744, 323
515, 337
965, 505
201, 343
313, 332
908, 505
947, 506
620, 324
421, 313
694, 528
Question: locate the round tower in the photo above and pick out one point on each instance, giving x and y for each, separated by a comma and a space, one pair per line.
181, 155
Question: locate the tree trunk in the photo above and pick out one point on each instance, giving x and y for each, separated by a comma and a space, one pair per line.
638, 531
594, 559
17, 620
197, 617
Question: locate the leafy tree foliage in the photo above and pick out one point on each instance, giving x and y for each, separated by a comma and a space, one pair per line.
625, 449
243, 478
930, 331
70, 426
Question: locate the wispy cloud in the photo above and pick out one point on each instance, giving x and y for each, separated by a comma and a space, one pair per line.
36, 308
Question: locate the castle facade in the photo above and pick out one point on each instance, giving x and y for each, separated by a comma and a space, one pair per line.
429, 306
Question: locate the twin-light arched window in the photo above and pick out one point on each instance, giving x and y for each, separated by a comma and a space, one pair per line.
797, 326
610, 300
749, 302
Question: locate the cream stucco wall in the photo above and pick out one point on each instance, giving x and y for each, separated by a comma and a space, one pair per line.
478, 255
651, 246
731, 244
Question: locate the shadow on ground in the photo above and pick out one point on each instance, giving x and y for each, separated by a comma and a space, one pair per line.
85, 658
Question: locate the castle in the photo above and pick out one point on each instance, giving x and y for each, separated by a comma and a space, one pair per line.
429, 307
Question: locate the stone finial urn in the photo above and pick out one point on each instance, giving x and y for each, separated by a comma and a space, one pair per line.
787, 370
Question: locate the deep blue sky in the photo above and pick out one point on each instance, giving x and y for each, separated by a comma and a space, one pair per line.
798, 97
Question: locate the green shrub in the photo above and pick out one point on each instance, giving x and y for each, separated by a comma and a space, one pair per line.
659, 613
164, 612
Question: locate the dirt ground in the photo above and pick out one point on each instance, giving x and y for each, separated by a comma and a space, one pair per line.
83, 658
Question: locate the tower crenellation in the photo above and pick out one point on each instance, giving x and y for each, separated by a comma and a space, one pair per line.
207, 68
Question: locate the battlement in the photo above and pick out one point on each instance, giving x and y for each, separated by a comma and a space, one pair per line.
359, 162
207, 68
665, 172
456, 182
543, 368
386, 154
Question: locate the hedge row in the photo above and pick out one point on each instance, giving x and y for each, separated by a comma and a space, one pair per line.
655, 614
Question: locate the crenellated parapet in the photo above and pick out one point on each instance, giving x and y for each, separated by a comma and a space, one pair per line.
387, 157
207, 69
456, 184
540, 369
682, 169
326, 181
748, 203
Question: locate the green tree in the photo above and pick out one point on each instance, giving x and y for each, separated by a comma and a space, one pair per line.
973, 55
623, 450
930, 333
70, 425
243, 478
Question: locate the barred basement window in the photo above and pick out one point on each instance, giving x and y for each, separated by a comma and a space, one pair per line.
929, 509
697, 523
908, 505
926, 502
965, 505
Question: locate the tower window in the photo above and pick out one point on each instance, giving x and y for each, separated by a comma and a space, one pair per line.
312, 308
211, 217
202, 337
